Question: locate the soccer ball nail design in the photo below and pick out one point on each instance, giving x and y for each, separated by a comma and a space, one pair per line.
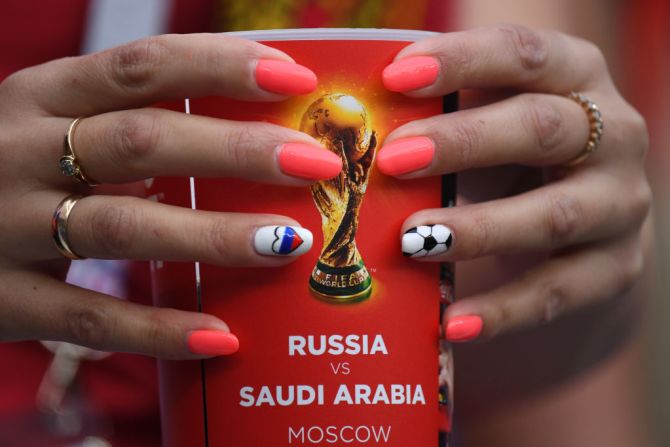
426, 240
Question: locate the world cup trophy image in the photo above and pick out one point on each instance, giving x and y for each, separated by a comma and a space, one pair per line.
342, 125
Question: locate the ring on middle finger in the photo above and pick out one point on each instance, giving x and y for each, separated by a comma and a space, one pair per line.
69, 164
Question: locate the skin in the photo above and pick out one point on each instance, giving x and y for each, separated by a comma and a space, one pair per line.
592, 363
122, 141
575, 235
544, 243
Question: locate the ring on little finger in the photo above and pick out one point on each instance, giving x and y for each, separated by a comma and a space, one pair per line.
68, 163
59, 226
596, 127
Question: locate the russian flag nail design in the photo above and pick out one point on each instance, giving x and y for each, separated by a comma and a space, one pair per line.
282, 240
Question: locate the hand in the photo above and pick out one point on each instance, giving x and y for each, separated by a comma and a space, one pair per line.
585, 219
120, 141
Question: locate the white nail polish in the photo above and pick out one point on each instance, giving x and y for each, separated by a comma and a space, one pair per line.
426, 240
282, 241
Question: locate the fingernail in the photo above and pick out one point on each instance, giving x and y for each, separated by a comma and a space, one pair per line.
211, 342
283, 77
426, 240
464, 328
308, 162
406, 155
282, 241
411, 73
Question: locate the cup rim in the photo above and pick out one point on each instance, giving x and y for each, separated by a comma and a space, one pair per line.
334, 34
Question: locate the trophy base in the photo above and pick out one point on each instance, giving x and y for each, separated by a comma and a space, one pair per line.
348, 284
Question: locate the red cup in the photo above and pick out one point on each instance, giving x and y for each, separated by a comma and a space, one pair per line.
334, 350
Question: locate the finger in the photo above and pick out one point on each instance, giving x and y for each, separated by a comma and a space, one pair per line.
580, 209
116, 227
164, 67
131, 228
529, 129
504, 55
119, 147
36, 307
560, 285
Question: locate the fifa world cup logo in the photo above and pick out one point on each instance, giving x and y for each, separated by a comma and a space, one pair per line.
341, 124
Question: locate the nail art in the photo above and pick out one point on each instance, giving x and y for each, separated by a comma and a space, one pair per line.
282, 241
426, 240
284, 77
464, 328
308, 161
212, 342
411, 73
406, 155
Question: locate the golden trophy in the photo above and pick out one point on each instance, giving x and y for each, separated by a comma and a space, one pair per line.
341, 124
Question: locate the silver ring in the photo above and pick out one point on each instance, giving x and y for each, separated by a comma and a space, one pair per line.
59, 226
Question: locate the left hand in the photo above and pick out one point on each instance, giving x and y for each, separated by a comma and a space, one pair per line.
586, 217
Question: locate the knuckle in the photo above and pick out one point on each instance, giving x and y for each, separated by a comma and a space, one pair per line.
640, 202
467, 138
461, 59
239, 144
631, 269
137, 136
545, 122
219, 240
635, 127
156, 337
480, 235
14, 82
552, 302
114, 227
595, 56
563, 218
135, 64
89, 324
499, 320
530, 49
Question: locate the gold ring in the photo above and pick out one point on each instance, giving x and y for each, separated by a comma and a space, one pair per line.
59, 226
596, 127
69, 165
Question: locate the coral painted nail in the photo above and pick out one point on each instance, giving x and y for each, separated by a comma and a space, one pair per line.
277, 240
405, 155
285, 78
464, 328
308, 162
411, 73
212, 342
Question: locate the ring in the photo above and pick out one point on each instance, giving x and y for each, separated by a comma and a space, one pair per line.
59, 226
597, 125
69, 165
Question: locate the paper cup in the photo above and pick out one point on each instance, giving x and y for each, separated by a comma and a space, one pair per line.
341, 347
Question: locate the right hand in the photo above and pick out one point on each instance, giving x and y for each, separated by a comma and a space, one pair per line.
122, 141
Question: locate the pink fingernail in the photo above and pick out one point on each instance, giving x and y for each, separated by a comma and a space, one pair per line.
464, 328
211, 342
411, 73
283, 77
308, 162
406, 155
